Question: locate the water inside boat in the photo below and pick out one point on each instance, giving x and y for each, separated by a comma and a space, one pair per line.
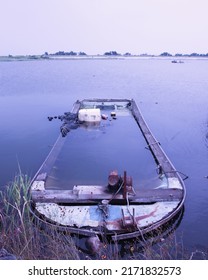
90, 152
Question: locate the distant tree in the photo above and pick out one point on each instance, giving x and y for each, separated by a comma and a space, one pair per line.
165, 54
60, 53
127, 54
111, 53
72, 53
115, 53
82, 53
178, 54
194, 54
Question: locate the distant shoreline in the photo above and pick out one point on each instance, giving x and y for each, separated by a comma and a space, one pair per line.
97, 57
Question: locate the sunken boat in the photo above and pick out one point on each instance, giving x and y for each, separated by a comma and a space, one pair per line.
95, 179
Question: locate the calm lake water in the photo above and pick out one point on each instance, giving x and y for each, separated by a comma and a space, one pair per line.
172, 97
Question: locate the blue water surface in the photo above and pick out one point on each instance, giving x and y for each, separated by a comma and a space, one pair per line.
172, 97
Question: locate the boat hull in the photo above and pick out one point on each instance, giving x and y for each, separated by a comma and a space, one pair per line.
122, 211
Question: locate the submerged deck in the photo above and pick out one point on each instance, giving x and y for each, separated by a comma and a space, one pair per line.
116, 143
87, 154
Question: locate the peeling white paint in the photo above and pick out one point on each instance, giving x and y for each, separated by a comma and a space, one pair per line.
38, 186
93, 216
174, 183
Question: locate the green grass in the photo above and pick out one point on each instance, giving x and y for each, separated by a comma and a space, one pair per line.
22, 235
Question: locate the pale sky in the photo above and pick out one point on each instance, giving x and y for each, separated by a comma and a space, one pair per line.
97, 26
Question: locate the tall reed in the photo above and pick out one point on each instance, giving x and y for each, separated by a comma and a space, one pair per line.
21, 234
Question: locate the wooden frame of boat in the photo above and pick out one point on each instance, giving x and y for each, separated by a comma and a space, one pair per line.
122, 214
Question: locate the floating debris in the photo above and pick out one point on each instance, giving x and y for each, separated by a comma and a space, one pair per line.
70, 121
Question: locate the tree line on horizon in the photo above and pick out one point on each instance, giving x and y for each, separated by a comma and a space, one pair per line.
108, 53
115, 53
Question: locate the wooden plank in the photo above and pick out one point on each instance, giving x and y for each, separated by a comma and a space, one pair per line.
142, 196
41, 177
53, 154
76, 107
154, 146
